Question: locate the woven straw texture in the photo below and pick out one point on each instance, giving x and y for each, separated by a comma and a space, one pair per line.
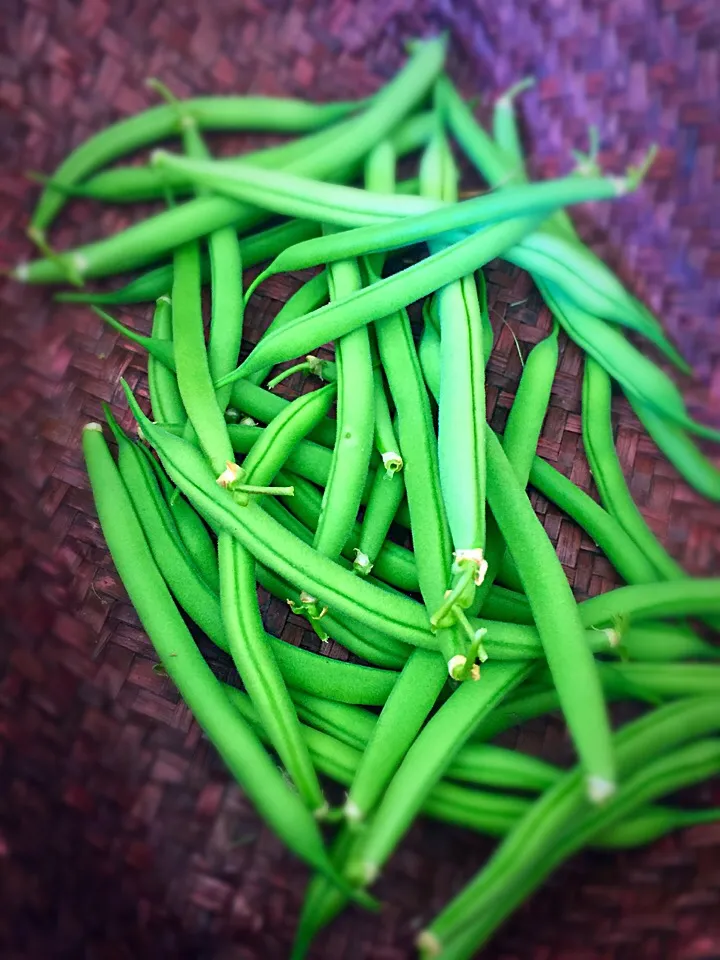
120, 834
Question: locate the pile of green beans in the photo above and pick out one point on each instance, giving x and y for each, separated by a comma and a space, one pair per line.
381, 507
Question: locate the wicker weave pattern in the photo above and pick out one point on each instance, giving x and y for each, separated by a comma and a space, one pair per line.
119, 833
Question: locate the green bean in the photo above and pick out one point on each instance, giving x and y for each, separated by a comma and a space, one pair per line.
184, 579
165, 397
680, 598
157, 123
385, 439
284, 433
605, 344
355, 424
148, 240
264, 405
193, 532
310, 296
557, 621
623, 553
235, 741
663, 680
461, 939
340, 590
660, 642
149, 286
134, 183
291, 195
426, 761
449, 219
505, 130
382, 506
639, 743
259, 671
429, 353
461, 417
588, 283
381, 298
681, 451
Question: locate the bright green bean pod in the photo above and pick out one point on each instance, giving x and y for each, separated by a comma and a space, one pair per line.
663, 679
310, 296
157, 123
461, 939
272, 546
146, 241
193, 532
191, 360
505, 128
382, 506
282, 435
503, 604
355, 424
648, 642
184, 579
263, 405
385, 439
557, 621
382, 297
154, 283
259, 671
165, 399
448, 219
133, 184
604, 343
425, 762
289, 194
637, 744
429, 354
679, 598
607, 472
622, 552
684, 454
235, 741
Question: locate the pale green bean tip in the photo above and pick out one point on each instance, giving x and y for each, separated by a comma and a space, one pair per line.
600, 789
428, 945
96, 427
505, 99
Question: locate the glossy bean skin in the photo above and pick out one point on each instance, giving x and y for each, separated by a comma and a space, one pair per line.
149, 240
272, 546
165, 397
254, 248
263, 405
234, 740
638, 743
556, 618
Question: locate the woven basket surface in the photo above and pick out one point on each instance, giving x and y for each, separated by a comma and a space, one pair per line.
120, 833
